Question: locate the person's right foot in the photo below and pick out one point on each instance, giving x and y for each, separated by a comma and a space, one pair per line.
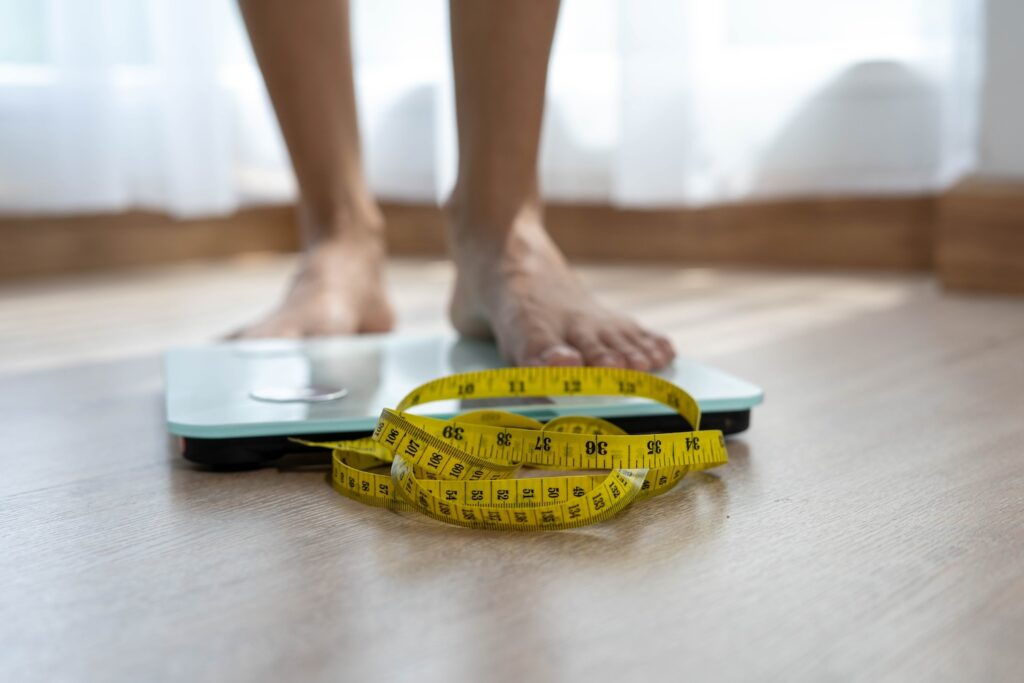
339, 289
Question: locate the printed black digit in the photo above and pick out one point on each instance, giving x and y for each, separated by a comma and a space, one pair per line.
452, 432
466, 473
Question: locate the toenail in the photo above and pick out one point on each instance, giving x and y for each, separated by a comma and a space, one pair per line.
560, 355
639, 361
608, 360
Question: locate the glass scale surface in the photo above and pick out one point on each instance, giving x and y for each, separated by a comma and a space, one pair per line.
236, 402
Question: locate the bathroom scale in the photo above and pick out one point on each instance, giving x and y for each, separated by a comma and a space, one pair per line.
235, 403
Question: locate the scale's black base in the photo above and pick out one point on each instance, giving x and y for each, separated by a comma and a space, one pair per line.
257, 451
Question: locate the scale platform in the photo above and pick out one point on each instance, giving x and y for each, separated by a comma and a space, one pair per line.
236, 403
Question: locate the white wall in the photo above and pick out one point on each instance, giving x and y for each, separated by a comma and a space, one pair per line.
1002, 114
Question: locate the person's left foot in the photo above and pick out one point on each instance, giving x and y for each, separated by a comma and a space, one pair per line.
519, 288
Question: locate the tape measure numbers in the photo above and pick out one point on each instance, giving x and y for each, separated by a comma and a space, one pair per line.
465, 470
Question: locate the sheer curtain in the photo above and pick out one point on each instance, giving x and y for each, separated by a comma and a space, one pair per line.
109, 104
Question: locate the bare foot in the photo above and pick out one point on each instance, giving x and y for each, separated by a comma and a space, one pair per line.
339, 289
519, 288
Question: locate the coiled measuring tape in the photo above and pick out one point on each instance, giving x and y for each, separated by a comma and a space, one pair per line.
466, 470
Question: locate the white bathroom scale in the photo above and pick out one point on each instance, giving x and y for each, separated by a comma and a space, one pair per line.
236, 403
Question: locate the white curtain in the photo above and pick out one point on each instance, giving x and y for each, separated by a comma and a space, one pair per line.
109, 104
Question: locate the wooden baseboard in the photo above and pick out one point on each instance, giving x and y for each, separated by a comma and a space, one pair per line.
980, 236
890, 233
68, 244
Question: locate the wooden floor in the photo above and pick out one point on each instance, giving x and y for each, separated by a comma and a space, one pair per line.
870, 525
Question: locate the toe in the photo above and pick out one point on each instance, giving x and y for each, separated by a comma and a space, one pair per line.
657, 349
665, 345
635, 355
542, 348
561, 355
595, 352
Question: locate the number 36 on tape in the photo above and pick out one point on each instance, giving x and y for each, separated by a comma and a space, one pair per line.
466, 470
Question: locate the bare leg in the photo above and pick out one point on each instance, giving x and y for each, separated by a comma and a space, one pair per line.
513, 282
304, 52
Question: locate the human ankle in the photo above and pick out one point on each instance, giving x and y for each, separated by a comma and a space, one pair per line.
360, 220
491, 226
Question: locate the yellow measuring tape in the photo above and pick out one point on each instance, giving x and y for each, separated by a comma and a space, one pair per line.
465, 470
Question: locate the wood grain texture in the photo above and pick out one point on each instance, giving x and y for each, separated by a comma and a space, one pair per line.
881, 233
889, 233
34, 246
870, 525
980, 241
